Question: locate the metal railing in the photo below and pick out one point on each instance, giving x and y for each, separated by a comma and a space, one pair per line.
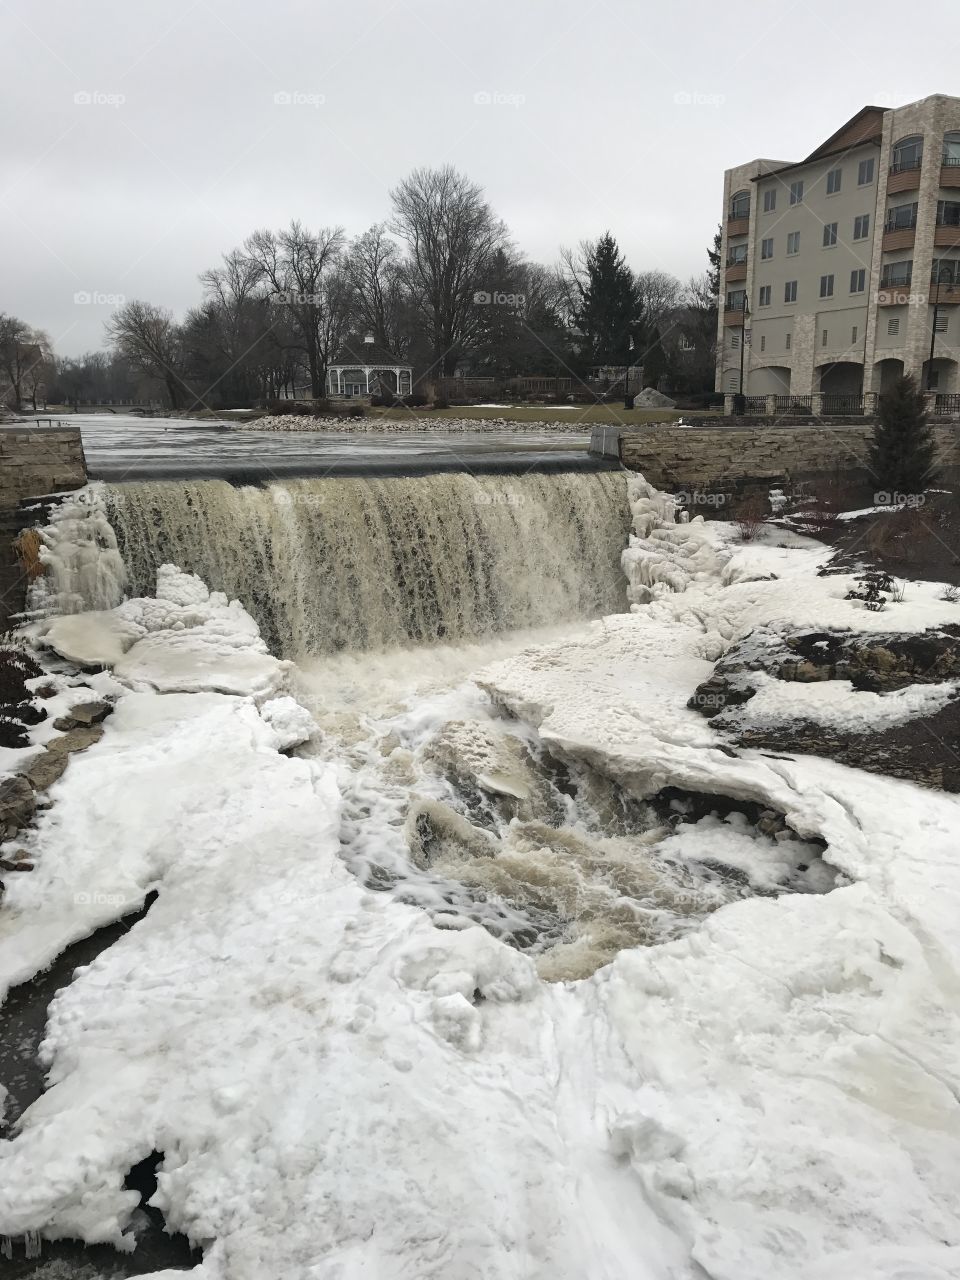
947, 404
895, 225
950, 162
896, 282
734, 215
902, 166
737, 262
755, 404
793, 404
839, 404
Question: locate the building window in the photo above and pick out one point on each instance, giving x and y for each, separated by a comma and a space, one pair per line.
858, 280
740, 205
793, 242
833, 181
865, 173
853, 335
735, 341
737, 254
951, 148
901, 217
736, 299
787, 343
770, 200
766, 248
893, 326
897, 274
764, 295
732, 383
945, 271
941, 323
861, 226
907, 154
796, 193
823, 339
790, 291
948, 213
829, 234
763, 342
826, 286
933, 379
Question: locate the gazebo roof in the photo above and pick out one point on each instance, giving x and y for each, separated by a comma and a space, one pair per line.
357, 353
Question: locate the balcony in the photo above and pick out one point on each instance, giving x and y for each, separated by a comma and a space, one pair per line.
950, 171
899, 237
735, 271
946, 293
946, 237
904, 176
738, 220
895, 292
735, 316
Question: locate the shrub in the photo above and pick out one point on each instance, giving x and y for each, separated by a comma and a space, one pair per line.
352, 411
441, 402
749, 518
16, 708
416, 401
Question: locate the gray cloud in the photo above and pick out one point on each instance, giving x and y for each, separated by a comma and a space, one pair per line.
144, 139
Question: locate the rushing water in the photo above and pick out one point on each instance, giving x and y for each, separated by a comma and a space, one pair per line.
368, 563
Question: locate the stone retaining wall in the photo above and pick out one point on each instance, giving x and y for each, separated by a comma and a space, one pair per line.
739, 461
39, 460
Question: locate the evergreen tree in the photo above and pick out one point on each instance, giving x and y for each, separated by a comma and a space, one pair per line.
713, 256
902, 452
610, 311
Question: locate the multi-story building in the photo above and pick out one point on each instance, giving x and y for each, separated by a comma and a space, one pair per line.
842, 271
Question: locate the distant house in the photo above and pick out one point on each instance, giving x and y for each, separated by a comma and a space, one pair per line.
363, 367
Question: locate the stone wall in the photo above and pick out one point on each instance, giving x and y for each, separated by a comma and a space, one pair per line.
734, 461
39, 460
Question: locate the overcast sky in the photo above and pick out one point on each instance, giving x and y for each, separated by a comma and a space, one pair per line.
144, 138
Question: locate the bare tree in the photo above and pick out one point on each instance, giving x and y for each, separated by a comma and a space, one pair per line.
40, 368
376, 273
304, 273
451, 234
152, 342
19, 353
662, 293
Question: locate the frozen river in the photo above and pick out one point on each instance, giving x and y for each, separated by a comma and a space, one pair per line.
122, 447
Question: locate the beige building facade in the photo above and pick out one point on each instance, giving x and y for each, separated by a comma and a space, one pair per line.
841, 272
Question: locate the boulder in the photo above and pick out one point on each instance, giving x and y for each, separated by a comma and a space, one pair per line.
650, 398
16, 805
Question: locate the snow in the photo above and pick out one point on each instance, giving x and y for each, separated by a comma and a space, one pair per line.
340, 1088
835, 704
187, 639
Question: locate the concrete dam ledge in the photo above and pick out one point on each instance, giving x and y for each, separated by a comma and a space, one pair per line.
738, 460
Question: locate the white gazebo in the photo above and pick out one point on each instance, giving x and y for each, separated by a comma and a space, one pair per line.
365, 368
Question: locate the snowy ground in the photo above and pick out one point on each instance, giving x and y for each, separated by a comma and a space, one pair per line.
342, 1089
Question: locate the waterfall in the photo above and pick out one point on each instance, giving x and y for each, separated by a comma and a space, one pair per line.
368, 563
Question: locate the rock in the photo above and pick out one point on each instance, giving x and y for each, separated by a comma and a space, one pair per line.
44, 770
7, 865
650, 398
16, 805
84, 713
91, 712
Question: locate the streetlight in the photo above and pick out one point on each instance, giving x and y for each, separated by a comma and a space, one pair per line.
740, 404
943, 274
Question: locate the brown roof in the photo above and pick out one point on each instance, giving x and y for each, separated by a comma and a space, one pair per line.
865, 126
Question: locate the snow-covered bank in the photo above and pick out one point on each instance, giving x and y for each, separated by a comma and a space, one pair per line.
372, 424
340, 1088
